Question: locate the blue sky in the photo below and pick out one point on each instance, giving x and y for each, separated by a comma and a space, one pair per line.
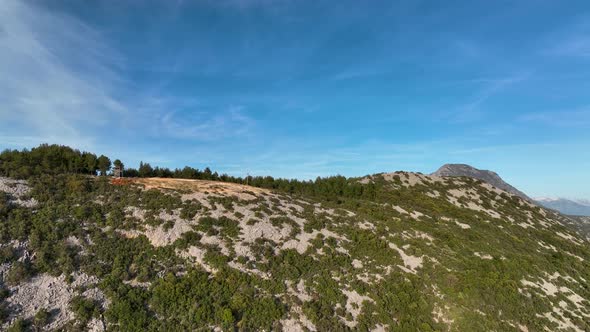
306, 88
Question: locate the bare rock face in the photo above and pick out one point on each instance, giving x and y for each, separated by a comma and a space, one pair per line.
487, 176
54, 295
17, 191
580, 223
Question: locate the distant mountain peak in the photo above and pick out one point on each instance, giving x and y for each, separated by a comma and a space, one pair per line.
546, 199
573, 207
485, 175
582, 201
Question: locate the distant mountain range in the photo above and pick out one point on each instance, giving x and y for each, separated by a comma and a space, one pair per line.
572, 207
567, 206
487, 176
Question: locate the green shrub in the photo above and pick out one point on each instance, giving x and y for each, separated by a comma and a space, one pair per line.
84, 309
20, 325
41, 319
19, 272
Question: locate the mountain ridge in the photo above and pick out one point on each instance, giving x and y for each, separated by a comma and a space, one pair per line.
488, 176
386, 252
566, 206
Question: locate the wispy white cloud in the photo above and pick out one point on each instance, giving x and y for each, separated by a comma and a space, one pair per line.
577, 46
307, 159
571, 40
204, 126
489, 88
493, 87
466, 49
56, 74
560, 118
249, 4
61, 82
499, 148
356, 73
189, 118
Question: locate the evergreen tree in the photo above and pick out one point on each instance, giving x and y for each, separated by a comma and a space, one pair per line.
104, 164
145, 170
118, 163
91, 162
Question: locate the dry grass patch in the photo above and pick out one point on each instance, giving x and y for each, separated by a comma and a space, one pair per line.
213, 187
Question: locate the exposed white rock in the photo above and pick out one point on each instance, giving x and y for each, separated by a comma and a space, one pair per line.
17, 189
411, 263
354, 304
483, 256
569, 237
462, 225
52, 294
357, 264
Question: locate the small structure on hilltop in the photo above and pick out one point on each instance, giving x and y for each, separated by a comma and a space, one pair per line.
118, 171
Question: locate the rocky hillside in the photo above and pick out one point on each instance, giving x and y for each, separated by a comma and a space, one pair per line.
488, 176
573, 211
580, 224
396, 251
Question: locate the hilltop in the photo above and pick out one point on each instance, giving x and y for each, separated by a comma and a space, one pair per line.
488, 176
390, 251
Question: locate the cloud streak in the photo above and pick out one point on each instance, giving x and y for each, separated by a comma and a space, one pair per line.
567, 118
578, 46
45, 91
201, 126
473, 109
62, 83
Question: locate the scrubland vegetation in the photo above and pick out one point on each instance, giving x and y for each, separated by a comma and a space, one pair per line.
400, 252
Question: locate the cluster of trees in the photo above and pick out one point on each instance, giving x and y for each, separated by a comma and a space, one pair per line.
53, 159
146, 170
330, 188
58, 159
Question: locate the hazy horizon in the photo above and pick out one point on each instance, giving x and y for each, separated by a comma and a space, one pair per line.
305, 89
